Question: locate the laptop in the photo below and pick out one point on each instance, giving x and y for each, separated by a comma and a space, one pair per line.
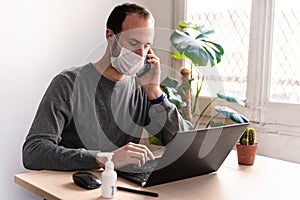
190, 153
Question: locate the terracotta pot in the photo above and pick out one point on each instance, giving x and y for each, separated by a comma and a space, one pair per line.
246, 153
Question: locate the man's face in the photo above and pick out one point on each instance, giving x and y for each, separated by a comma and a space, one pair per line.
137, 35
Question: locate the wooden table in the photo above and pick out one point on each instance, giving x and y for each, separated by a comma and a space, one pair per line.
267, 179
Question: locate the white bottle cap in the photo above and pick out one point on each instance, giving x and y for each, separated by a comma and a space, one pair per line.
108, 164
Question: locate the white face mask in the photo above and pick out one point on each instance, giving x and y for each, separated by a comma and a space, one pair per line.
127, 62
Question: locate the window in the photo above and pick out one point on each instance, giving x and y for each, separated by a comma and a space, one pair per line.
231, 21
261, 63
285, 81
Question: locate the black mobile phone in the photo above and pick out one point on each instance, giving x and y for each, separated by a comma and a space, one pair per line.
145, 69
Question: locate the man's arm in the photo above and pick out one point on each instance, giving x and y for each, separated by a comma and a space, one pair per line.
164, 116
41, 149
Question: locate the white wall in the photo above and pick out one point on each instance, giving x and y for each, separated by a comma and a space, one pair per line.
38, 39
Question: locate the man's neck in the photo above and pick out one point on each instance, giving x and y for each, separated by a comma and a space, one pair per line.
104, 67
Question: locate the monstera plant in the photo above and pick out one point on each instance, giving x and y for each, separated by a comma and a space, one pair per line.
192, 42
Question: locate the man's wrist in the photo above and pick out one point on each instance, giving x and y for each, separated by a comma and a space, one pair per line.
101, 161
153, 92
158, 100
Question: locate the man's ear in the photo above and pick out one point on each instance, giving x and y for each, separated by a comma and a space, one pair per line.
109, 35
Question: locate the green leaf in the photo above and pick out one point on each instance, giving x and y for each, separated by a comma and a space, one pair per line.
169, 82
189, 124
179, 56
186, 24
181, 92
219, 47
211, 58
177, 100
174, 95
169, 90
187, 84
217, 55
231, 114
216, 48
231, 99
189, 47
181, 89
204, 34
199, 51
154, 140
215, 124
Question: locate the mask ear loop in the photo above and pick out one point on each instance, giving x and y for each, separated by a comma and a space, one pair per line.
114, 45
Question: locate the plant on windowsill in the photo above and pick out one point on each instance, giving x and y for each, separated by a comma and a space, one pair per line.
192, 42
247, 147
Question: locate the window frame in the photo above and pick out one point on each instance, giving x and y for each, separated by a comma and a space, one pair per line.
272, 115
258, 78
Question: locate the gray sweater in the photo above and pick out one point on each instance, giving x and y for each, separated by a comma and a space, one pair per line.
83, 113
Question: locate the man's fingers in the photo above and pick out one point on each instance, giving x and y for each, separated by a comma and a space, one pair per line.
141, 149
135, 160
131, 153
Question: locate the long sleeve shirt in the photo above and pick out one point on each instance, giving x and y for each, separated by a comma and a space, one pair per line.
82, 113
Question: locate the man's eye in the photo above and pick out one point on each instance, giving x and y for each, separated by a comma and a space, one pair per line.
133, 43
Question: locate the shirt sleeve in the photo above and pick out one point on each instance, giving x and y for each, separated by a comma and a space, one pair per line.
41, 149
166, 117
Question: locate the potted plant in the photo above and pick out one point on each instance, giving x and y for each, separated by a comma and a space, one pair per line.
192, 42
247, 147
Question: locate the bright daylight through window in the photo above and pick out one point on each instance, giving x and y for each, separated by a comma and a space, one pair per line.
231, 21
285, 81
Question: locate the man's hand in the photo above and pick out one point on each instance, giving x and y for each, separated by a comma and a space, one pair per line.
131, 153
151, 80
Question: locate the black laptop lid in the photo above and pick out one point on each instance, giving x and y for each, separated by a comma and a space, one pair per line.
195, 153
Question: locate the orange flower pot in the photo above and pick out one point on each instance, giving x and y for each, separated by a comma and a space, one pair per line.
246, 153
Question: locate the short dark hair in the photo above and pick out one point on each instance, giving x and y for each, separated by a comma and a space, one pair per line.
119, 13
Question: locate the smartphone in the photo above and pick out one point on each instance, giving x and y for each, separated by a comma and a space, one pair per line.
145, 69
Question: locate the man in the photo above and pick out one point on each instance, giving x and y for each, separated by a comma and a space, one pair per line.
104, 106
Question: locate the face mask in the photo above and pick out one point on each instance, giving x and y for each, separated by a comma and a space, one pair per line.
127, 62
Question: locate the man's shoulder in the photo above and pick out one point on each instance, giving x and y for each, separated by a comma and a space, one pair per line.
70, 74
65, 79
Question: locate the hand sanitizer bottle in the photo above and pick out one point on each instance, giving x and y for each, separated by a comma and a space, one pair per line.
109, 176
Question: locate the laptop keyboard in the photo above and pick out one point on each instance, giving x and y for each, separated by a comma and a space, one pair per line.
138, 175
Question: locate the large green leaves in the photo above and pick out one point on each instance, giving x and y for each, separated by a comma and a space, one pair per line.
231, 114
198, 28
168, 85
231, 99
198, 49
193, 42
169, 82
190, 48
154, 140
